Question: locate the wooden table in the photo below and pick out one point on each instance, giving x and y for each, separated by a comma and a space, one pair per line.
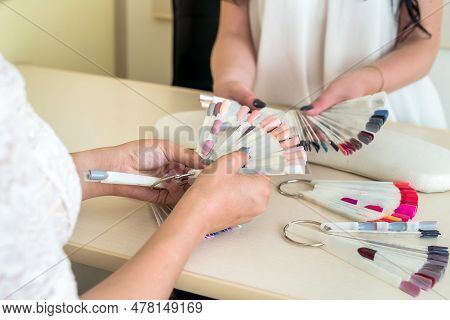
89, 111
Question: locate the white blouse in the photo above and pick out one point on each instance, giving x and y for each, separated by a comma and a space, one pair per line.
302, 45
40, 198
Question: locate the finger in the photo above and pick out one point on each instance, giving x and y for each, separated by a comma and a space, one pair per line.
325, 101
168, 169
233, 162
187, 157
279, 130
139, 193
289, 143
246, 97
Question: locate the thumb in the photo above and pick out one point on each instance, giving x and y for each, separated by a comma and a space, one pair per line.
246, 97
325, 101
187, 157
232, 162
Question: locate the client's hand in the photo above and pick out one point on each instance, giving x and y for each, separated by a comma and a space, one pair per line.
353, 84
149, 157
239, 92
221, 197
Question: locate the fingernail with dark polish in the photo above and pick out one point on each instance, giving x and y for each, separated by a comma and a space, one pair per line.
245, 149
306, 108
206, 162
259, 104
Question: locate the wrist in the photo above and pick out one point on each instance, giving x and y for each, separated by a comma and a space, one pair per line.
373, 79
102, 159
198, 209
225, 88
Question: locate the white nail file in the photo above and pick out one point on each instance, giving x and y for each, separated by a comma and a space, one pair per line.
111, 177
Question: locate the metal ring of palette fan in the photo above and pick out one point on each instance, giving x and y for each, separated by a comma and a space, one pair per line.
360, 200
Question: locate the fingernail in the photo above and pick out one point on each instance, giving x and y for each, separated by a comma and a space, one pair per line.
206, 162
259, 104
245, 149
306, 108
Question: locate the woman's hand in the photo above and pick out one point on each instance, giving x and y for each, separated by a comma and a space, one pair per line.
221, 197
239, 92
233, 59
149, 157
354, 84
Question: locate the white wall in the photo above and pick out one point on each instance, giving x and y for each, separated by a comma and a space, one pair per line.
149, 43
440, 74
85, 25
445, 40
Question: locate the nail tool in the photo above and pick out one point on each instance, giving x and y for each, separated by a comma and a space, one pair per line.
111, 177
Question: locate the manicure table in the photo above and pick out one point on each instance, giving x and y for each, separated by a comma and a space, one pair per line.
255, 262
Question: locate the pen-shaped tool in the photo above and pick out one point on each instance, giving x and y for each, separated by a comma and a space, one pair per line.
111, 177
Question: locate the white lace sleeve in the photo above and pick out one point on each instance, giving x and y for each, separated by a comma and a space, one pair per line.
39, 200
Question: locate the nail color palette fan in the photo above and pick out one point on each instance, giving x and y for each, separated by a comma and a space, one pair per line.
271, 143
365, 200
387, 251
344, 128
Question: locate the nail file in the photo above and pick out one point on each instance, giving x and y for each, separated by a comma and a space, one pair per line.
122, 178
110, 177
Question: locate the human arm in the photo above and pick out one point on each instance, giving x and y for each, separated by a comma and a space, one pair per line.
152, 157
410, 60
219, 198
233, 60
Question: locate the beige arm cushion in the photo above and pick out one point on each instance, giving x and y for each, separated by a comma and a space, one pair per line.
394, 156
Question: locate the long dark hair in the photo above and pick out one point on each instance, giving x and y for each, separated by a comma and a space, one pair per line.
413, 9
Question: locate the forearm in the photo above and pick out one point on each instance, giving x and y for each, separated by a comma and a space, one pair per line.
116, 158
413, 56
219, 198
408, 63
102, 158
232, 60
152, 272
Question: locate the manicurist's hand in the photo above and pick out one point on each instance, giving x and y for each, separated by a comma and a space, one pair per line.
221, 197
148, 157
